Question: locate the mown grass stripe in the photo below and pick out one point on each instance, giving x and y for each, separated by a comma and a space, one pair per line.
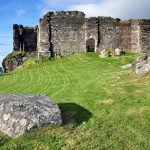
107, 107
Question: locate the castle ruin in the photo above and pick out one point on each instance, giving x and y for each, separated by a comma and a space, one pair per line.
64, 33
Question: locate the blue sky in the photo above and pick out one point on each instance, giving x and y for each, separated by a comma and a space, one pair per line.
28, 12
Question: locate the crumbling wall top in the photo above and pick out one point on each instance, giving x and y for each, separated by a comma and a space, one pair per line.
139, 21
65, 14
125, 23
108, 20
144, 22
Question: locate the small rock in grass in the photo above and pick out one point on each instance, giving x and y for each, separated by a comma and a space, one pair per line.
104, 54
128, 66
119, 52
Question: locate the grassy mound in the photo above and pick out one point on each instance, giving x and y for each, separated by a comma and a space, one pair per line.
103, 106
12, 55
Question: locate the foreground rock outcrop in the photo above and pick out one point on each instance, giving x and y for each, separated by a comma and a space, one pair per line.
15, 59
23, 112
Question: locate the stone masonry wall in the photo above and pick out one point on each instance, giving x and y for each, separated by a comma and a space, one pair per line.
125, 35
44, 36
67, 32
145, 36
109, 33
16, 38
30, 39
135, 36
64, 33
92, 30
25, 38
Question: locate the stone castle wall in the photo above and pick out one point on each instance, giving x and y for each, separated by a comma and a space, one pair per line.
125, 35
25, 38
144, 36
135, 36
64, 33
91, 32
109, 33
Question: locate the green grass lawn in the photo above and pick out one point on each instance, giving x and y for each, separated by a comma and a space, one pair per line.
104, 107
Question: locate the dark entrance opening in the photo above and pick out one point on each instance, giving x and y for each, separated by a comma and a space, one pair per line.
90, 45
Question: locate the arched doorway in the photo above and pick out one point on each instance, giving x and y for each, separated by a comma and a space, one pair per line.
90, 45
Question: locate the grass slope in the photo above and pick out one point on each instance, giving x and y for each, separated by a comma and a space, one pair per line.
103, 106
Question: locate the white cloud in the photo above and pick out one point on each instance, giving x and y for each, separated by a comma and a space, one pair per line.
20, 12
67, 2
116, 8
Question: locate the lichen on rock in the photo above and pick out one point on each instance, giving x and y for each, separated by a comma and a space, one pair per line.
22, 112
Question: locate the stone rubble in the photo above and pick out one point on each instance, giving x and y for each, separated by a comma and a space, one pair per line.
107, 53
104, 54
143, 64
118, 52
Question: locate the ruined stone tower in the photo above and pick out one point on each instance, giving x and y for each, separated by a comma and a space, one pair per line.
64, 33
24, 38
61, 33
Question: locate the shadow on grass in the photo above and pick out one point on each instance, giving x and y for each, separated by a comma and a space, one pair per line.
74, 114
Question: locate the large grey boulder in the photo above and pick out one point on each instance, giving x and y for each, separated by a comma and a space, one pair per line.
23, 112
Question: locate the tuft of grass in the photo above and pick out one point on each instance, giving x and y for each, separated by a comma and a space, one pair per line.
103, 106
